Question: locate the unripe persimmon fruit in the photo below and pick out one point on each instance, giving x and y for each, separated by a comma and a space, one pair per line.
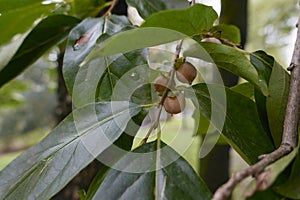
186, 73
160, 84
174, 105
212, 40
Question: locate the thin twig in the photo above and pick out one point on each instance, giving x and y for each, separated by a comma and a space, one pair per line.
289, 137
113, 4
169, 87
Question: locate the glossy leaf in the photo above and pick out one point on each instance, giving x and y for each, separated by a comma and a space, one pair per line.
17, 17
190, 21
138, 38
231, 59
123, 144
243, 132
263, 64
126, 73
44, 169
82, 40
45, 35
277, 100
146, 8
227, 32
175, 180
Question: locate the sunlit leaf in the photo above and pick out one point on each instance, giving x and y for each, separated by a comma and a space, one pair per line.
228, 32
190, 21
17, 17
45, 35
138, 38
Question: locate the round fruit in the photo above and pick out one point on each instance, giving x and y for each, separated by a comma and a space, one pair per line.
160, 84
174, 105
212, 40
186, 73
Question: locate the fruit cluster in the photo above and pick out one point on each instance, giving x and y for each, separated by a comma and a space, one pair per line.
175, 102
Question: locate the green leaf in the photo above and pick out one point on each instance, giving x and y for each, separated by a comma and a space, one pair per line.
17, 17
8, 97
82, 40
43, 170
277, 100
87, 8
273, 178
241, 126
123, 144
125, 74
263, 64
291, 187
82, 194
268, 194
190, 21
231, 59
260, 101
49, 32
228, 32
146, 8
134, 39
245, 89
147, 173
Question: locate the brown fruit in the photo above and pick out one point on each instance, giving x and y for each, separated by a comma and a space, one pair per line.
186, 73
212, 40
160, 84
174, 105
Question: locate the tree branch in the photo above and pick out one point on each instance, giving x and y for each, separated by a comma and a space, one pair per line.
169, 87
113, 4
290, 130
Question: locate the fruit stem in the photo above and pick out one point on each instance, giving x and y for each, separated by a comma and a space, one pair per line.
154, 124
165, 94
112, 6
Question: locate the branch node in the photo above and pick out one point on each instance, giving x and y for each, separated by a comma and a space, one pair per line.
291, 67
287, 147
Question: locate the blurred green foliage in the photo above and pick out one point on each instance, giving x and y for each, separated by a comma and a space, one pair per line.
28, 102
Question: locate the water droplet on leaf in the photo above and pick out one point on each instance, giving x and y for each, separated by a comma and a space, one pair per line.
135, 76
